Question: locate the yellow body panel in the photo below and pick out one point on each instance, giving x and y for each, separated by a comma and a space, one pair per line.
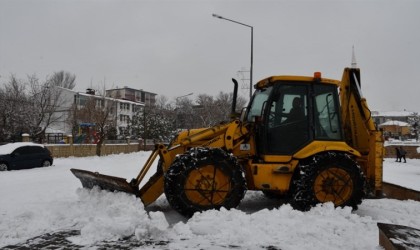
277, 171
316, 147
275, 176
313, 148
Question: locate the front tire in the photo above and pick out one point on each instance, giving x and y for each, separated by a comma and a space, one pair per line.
332, 177
203, 179
3, 166
46, 163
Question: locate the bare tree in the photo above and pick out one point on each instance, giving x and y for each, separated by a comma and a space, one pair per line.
185, 118
211, 111
31, 105
205, 112
414, 121
63, 79
47, 100
15, 110
154, 122
99, 111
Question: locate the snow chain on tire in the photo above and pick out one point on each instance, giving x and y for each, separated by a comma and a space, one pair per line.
330, 177
202, 179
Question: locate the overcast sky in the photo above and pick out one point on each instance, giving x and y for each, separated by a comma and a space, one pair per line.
173, 48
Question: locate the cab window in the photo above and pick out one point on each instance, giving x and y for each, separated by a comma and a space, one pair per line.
260, 97
327, 120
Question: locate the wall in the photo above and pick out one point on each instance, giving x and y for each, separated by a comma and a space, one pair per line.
411, 151
82, 150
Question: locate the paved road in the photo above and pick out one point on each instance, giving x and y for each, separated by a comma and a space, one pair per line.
58, 240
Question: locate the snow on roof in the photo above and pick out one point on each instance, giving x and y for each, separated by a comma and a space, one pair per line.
110, 98
396, 123
10, 147
393, 113
50, 130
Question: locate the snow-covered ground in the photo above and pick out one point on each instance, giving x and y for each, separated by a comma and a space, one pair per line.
42, 200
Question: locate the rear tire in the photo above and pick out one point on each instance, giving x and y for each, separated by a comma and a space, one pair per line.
3, 166
332, 177
203, 179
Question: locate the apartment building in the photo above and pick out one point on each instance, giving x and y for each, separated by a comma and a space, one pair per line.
122, 110
134, 95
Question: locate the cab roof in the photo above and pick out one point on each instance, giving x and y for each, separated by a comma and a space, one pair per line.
269, 81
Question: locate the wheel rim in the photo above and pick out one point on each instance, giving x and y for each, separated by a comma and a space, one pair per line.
206, 186
3, 167
46, 164
333, 185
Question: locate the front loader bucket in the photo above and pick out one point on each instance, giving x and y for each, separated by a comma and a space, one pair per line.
106, 182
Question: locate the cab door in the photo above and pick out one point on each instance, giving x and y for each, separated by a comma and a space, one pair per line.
287, 120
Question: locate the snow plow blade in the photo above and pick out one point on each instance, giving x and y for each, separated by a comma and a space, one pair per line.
105, 182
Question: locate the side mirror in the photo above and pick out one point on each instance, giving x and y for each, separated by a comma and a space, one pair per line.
258, 119
243, 114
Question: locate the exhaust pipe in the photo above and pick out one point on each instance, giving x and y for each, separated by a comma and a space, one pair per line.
235, 95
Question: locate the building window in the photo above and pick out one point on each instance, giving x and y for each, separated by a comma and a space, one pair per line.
99, 103
80, 100
137, 108
124, 106
124, 118
143, 96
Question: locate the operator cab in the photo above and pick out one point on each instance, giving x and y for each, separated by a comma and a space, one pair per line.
290, 112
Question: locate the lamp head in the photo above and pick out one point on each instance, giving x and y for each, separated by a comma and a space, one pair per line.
217, 16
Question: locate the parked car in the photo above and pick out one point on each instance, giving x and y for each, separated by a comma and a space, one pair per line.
23, 155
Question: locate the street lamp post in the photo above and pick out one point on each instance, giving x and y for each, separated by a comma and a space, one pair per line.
252, 48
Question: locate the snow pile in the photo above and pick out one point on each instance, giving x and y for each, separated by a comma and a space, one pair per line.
45, 200
323, 227
107, 216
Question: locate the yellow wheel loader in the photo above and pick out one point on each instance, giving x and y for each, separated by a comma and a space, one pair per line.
308, 139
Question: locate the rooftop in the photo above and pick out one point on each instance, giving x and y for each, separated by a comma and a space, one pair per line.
393, 113
396, 123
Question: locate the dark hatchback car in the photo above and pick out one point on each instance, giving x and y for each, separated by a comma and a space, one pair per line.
23, 155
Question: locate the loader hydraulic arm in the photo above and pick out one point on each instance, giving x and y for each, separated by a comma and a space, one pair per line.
359, 128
